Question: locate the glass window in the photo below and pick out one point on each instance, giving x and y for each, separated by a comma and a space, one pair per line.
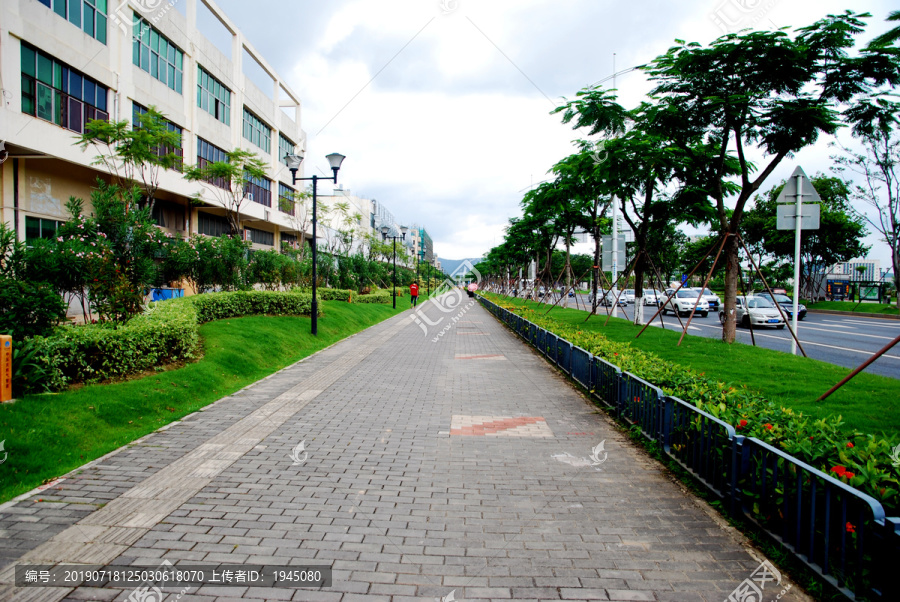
285, 147
256, 131
88, 15
214, 97
54, 91
36, 227
156, 55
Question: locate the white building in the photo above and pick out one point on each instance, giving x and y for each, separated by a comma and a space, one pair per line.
64, 62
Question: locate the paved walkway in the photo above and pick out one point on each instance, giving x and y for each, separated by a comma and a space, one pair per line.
418, 465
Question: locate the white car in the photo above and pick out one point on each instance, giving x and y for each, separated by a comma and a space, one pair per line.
683, 302
710, 297
628, 295
653, 297
757, 311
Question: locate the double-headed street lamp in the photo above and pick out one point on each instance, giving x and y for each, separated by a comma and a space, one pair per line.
293, 163
384, 236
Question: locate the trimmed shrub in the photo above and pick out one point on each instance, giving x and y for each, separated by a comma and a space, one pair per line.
166, 332
243, 303
382, 297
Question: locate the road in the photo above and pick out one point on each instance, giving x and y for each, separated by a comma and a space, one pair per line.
842, 340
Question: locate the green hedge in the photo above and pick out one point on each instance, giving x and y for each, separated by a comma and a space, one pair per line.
383, 297
168, 331
216, 306
824, 443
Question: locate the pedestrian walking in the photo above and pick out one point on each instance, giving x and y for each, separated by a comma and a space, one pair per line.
414, 293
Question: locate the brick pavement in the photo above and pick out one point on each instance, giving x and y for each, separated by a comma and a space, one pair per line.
429, 466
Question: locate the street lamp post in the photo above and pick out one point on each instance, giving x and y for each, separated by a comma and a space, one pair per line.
293, 162
384, 236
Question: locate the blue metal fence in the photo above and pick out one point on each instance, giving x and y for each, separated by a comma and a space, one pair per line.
581, 367
838, 531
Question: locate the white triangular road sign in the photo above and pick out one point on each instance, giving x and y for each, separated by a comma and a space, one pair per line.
789, 192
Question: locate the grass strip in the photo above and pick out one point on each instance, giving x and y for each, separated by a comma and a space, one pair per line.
870, 403
854, 307
51, 434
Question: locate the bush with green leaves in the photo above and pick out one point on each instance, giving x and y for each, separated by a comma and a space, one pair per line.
243, 303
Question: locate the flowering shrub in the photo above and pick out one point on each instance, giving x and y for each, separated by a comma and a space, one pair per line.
859, 459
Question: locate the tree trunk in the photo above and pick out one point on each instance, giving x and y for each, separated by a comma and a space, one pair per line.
732, 270
895, 260
639, 288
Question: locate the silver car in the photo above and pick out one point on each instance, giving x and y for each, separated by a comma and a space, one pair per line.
653, 297
683, 301
757, 311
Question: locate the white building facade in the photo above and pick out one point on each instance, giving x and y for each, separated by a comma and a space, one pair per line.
64, 62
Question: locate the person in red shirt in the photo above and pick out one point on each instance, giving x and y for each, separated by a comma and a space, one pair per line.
414, 293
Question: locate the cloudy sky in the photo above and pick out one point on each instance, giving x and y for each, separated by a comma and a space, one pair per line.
442, 107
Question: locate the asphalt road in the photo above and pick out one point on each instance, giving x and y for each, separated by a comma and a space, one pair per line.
842, 340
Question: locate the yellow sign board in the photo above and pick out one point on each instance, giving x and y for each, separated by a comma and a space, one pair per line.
5, 367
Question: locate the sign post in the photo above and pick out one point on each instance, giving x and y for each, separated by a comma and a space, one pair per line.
5, 368
802, 188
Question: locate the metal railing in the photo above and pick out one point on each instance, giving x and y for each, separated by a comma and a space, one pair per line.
838, 531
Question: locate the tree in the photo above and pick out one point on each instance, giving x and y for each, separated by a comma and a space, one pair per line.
875, 125
229, 181
890, 36
768, 90
134, 155
839, 237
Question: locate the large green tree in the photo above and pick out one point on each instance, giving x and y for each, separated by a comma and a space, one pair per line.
769, 91
839, 237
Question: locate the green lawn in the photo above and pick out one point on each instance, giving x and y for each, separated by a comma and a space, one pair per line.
49, 435
853, 306
869, 402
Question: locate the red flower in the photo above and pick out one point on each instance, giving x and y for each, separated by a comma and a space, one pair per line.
810, 438
840, 470
851, 528
768, 426
742, 424
849, 444
849, 474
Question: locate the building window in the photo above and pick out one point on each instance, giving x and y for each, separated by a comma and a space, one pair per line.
213, 97
88, 15
289, 239
260, 237
38, 227
285, 148
53, 91
212, 225
167, 214
155, 54
286, 198
178, 151
210, 153
259, 190
256, 131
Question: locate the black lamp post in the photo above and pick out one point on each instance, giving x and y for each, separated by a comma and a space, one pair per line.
293, 162
384, 236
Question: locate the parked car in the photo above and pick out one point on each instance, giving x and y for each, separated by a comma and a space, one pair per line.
653, 297
710, 297
755, 310
608, 299
786, 303
628, 295
683, 301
